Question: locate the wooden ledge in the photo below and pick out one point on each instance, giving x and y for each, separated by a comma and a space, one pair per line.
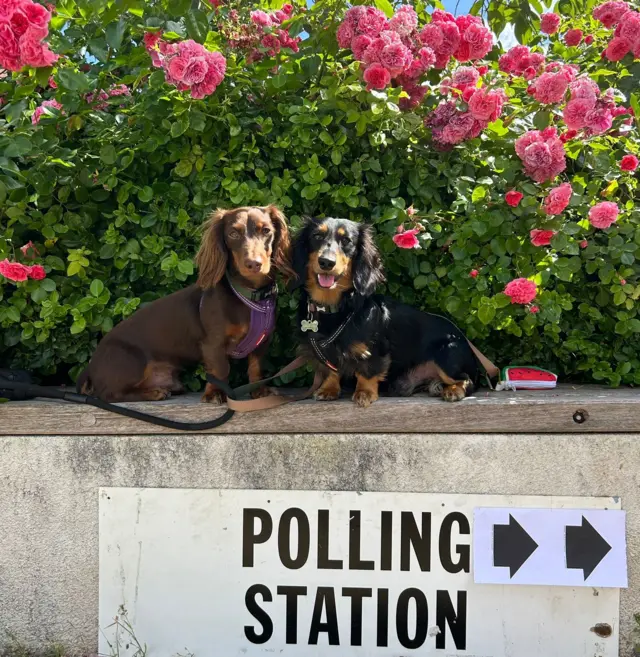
568, 409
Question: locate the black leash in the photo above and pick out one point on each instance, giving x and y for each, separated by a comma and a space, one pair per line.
15, 388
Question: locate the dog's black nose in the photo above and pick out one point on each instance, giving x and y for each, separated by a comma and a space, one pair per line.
326, 263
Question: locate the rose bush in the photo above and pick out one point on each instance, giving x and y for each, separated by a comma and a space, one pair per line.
502, 185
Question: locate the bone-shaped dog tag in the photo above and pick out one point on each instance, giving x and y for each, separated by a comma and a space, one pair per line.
309, 325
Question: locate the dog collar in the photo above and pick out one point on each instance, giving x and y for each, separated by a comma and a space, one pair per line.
260, 294
326, 309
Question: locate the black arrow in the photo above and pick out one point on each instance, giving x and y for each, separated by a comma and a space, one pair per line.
585, 547
512, 546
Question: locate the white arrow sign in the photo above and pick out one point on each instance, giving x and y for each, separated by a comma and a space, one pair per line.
557, 547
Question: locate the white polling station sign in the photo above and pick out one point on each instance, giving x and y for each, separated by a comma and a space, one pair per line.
220, 573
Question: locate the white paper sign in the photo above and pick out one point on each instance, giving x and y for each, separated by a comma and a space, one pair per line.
559, 547
226, 573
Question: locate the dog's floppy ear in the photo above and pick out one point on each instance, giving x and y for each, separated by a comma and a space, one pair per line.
367, 265
300, 255
281, 257
212, 255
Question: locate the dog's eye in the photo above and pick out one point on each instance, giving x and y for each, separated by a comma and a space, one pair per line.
266, 230
234, 234
345, 239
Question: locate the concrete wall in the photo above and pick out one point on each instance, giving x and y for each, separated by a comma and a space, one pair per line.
49, 497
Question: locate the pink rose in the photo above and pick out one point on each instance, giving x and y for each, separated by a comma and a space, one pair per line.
513, 198
372, 22
431, 36
551, 88
557, 199
575, 113
584, 87
458, 129
573, 37
617, 49
260, 18
377, 77
36, 54
542, 154
473, 273
176, 68
479, 41
534, 309
549, 23
19, 23
610, 13
407, 239
345, 34
405, 20
37, 15
521, 290
395, 57
486, 105
195, 71
465, 76
602, 215
13, 271
629, 163
584, 244
588, 39
359, 45
8, 42
541, 237
629, 27
599, 119
7, 7
36, 272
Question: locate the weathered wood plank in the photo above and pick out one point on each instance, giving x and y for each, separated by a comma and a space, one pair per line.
488, 412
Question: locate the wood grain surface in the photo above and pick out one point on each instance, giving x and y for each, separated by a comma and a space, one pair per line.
550, 411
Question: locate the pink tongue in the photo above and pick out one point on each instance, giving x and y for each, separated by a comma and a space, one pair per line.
326, 280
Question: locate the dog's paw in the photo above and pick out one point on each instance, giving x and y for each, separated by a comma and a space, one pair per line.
261, 392
455, 392
327, 394
213, 396
364, 398
157, 394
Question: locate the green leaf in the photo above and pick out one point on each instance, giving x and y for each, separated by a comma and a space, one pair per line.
96, 287
385, 6
420, 282
478, 194
542, 119
78, 326
197, 25
73, 80
145, 194
114, 33
18, 146
486, 313
108, 154
183, 168
74, 268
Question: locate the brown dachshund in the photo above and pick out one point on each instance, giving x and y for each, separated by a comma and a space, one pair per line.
228, 313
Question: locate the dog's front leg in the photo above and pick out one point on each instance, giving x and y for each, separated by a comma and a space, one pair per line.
366, 389
216, 363
254, 370
330, 388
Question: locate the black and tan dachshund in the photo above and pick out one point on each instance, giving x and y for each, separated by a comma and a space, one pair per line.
351, 332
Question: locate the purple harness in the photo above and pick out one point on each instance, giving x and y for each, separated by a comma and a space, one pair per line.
261, 324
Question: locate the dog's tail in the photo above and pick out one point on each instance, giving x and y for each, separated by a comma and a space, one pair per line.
83, 384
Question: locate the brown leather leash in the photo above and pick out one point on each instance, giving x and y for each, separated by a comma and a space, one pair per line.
275, 400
